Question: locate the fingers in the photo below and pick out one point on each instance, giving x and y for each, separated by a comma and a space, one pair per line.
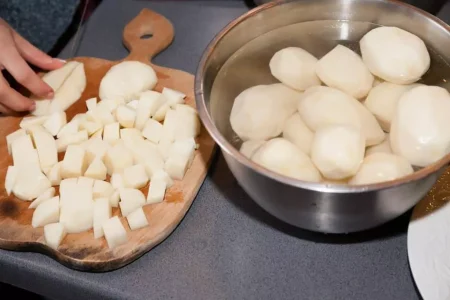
21, 71
35, 56
5, 110
12, 100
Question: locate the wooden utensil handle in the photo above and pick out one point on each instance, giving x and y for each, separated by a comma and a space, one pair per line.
146, 35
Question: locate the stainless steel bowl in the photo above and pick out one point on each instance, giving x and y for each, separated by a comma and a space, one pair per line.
238, 58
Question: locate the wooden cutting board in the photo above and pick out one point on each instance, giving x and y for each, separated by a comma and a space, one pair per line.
145, 36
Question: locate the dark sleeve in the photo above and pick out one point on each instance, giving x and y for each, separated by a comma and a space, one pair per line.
42, 22
431, 6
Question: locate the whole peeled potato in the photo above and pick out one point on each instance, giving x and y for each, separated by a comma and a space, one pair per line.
382, 101
343, 69
259, 112
281, 156
380, 167
295, 68
321, 106
338, 151
384, 147
395, 55
248, 148
296, 131
420, 127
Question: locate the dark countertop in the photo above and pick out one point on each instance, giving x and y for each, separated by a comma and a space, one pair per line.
226, 247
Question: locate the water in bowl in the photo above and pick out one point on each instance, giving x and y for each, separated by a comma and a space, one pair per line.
249, 66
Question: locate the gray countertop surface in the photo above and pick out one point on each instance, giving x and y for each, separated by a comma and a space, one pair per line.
226, 247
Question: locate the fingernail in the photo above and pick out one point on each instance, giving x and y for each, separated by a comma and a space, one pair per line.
33, 106
51, 94
61, 60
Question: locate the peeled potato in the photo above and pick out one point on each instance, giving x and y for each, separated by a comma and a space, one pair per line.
420, 127
295, 68
380, 167
344, 70
249, 148
382, 101
296, 131
395, 55
281, 156
338, 151
127, 80
384, 147
321, 106
259, 112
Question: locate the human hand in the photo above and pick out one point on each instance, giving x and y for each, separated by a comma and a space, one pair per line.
15, 52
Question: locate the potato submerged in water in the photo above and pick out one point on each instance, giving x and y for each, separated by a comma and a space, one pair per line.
321, 106
295, 68
259, 112
338, 151
296, 131
395, 55
382, 101
380, 167
420, 127
343, 69
281, 156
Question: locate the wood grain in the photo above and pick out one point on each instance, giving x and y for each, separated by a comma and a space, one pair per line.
81, 251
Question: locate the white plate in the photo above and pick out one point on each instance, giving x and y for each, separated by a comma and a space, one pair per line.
429, 242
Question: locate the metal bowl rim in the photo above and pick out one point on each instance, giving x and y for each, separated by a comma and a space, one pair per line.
233, 152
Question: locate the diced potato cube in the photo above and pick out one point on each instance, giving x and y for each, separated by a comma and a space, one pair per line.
84, 181
135, 177
162, 175
54, 233
137, 219
56, 122
183, 148
149, 103
91, 126
70, 128
114, 199
173, 97
91, 103
48, 194
118, 158
160, 114
96, 170
130, 134
156, 191
117, 181
176, 167
152, 131
45, 146
10, 138
115, 233
101, 114
96, 148
102, 189
55, 174
47, 212
133, 104
126, 116
42, 108
74, 139
23, 153
28, 122
188, 125
130, 200
77, 216
102, 213
111, 133
74, 163
10, 180
30, 183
